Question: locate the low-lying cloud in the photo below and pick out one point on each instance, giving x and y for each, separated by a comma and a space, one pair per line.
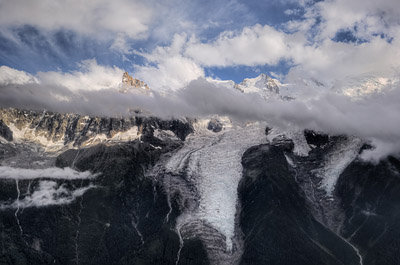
47, 193
66, 173
374, 117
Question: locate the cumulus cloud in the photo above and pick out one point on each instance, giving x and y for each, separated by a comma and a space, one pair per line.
308, 45
167, 67
89, 17
90, 76
363, 18
333, 61
12, 76
370, 48
252, 46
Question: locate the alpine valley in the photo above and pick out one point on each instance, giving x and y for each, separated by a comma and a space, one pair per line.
144, 190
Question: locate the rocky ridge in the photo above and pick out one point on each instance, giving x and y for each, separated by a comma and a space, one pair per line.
128, 83
56, 131
154, 195
263, 85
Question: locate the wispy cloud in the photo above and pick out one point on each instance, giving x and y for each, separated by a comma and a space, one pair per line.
48, 193
67, 173
89, 17
90, 76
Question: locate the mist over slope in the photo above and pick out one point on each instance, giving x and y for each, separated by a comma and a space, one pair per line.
373, 114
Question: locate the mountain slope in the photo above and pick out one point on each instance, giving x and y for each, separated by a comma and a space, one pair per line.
152, 191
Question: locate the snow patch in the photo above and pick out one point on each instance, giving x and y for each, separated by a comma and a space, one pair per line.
290, 161
129, 135
28, 134
301, 147
336, 162
165, 134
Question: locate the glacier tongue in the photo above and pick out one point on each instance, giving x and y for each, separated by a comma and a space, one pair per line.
213, 162
337, 161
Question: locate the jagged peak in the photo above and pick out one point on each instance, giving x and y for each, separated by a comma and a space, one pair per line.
129, 82
261, 82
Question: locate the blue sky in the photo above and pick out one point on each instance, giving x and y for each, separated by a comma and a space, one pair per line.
32, 47
175, 41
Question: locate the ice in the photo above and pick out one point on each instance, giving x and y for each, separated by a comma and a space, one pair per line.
301, 147
337, 161
213, 161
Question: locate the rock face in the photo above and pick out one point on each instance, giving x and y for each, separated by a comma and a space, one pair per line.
5, 132
190, 192
214, 125
278, 227
129, 81
116, 215
119, 221
56, 130
370, 199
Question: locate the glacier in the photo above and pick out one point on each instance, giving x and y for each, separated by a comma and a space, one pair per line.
213, 162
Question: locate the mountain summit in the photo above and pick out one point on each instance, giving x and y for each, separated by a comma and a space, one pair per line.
263, 85
129, 82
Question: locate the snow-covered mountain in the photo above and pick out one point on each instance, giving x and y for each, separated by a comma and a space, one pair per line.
191, 191
263, 85
364, 85
267, 87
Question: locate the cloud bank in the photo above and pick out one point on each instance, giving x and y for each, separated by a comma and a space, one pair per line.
373, 117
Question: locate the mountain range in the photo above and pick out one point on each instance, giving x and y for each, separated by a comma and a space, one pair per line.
143, 190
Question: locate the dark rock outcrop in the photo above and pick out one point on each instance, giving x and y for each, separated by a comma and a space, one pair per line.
370, 198
215, 125
316, 139
119, 221
5, 132
76, 129
277, 225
